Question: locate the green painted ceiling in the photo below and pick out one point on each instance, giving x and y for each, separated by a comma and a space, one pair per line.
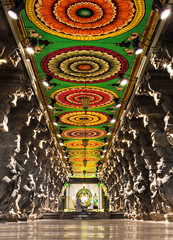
77, 49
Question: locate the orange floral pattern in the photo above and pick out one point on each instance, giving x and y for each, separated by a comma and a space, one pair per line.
80, 159
80, 133
96, 20
80, 118
89, 165
79, 144
77, 169
81, 153
105, 18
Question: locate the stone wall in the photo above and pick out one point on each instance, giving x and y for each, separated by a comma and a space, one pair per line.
32, 172
139, 171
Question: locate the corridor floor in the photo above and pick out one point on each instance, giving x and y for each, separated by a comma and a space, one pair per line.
86, 229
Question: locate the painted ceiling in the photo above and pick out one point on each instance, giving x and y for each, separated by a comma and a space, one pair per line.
81, 48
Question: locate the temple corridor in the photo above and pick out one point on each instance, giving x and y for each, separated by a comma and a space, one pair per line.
76, 229
86, 119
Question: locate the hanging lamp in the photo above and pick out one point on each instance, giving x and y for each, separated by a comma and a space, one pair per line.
85, 102
85, 142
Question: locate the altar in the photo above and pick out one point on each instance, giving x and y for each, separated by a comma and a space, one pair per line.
90, 196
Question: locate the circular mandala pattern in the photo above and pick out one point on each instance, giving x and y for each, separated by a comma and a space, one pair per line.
84, 64
81, 133
90, 170
71, 97
80, 175
84, 119
89, 165
85, 67
89, 159
79, 144
85, 20
82, 153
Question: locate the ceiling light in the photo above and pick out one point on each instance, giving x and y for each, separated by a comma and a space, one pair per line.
46, 81
46, 84
55, 123
138, 50
30, 49
14, 12
118, 105
165, 13
50, 106
31, 44
53, 101
123, 82
113, 120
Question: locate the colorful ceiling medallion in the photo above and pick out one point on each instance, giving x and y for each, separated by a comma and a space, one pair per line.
79, 169
79, 144
81, 153
81, 133
85, 20
89, 165
87, 175
80, 159
84, 64
71, 97
84, 118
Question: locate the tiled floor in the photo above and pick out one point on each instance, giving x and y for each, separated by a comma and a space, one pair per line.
86, 229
